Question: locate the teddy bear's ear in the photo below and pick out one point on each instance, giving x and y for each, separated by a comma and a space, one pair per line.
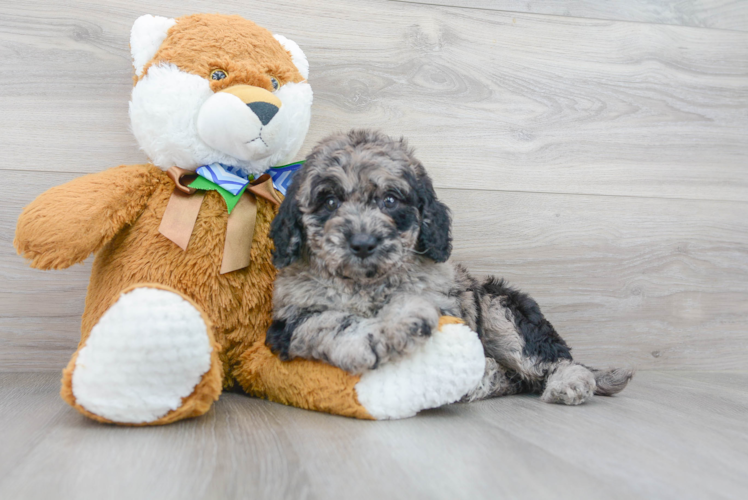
297, 55
147, 34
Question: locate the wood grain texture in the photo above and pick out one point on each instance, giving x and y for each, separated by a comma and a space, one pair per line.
627, 281
716, 14
523, 102
676, 435
649, 282
599, 165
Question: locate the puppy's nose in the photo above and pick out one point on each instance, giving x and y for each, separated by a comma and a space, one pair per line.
264, 111
363, 244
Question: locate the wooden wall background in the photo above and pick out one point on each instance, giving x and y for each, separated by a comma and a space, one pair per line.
594, 153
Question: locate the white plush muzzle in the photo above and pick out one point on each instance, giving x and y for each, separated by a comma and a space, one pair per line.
227, 124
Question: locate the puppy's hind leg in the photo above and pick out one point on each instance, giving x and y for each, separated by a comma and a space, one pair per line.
568, 383
572, 383
497, 381
517, 335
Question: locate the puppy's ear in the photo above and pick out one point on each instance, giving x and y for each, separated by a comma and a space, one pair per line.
435, 238
287, 230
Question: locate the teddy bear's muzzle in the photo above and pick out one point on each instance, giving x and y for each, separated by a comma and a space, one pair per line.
262, 103
239, 121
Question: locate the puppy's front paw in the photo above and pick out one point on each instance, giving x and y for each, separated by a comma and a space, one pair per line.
355, 353
407, 323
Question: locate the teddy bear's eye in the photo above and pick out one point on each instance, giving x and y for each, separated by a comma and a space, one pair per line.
274, 82
218, 74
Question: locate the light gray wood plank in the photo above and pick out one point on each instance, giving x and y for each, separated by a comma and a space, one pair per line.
231, 453
715, 14
39, 311
30, 406
669, 435
625, 437
493, 100
621, 109
654, 283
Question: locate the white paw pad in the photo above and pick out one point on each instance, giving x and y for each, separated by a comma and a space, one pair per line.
146, 353
440, 372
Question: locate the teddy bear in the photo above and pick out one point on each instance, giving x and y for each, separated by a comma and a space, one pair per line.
180, 294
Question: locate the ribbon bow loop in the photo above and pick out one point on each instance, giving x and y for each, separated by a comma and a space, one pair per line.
240, 193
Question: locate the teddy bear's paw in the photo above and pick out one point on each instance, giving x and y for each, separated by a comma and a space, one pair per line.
145, 355
440, 372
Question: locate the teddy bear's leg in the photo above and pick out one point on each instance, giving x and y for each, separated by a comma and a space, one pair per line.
150, 359
440, 372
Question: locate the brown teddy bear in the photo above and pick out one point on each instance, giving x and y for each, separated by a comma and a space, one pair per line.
180, 293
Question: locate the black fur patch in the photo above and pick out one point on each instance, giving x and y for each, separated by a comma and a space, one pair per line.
521, 385
321, 216
278, 337
287, 229
435, 238
404, 217
541, 339
323, 190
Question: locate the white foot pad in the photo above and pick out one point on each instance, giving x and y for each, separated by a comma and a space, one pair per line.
443, 370
146, 353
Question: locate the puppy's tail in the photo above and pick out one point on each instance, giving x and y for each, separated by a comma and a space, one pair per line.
611, 381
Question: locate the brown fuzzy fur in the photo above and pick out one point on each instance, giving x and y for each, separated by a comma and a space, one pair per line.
249, 53
65, 224
116, 215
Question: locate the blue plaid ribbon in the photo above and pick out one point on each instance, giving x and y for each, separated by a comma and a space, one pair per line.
234, 179
282, 175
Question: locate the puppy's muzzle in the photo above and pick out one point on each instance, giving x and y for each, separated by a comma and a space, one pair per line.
363, 245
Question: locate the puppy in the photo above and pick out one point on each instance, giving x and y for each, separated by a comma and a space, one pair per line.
362, 244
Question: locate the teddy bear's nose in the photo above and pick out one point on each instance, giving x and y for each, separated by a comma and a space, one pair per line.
264, 104
264, 110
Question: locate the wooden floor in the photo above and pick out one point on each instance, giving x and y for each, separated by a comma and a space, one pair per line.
679, 435
595, 153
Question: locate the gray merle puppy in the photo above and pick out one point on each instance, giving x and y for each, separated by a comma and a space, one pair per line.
362, 243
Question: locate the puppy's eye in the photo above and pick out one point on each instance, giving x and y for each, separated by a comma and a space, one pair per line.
331, 203
218, 74
389, 201
274, 82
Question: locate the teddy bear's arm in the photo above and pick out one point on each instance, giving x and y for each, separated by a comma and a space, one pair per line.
444, 369
67, 223
303, 383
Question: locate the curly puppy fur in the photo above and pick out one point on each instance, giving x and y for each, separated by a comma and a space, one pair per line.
362, 243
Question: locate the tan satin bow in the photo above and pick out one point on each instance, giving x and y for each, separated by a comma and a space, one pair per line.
180, 216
